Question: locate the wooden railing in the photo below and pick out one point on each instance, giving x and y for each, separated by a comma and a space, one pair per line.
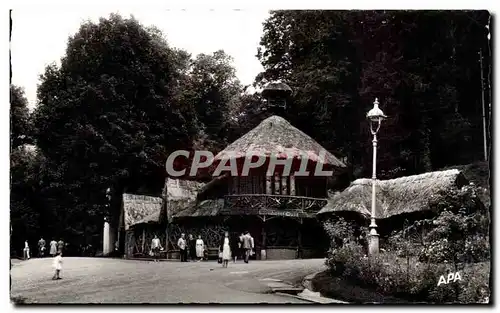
264, 204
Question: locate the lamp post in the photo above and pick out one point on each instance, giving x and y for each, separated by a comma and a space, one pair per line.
106, 246
375, 116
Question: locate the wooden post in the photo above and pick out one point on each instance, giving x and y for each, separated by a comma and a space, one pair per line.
277, 184
166, 240
299, 241
143, 239
119, 233
263, 253
482, 105
284, 187
235, 185
292, 185
269, 190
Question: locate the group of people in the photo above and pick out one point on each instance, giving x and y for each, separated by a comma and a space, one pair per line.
55, 247
191, 248
229, 248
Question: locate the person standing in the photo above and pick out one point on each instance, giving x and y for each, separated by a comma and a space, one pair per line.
226, 250
26, 250
41, 247
60, 246
247, 245
57, 266
53, 248
192, 247
252, 245
199, 248
155, 248
181, 243
234, 243
241, 251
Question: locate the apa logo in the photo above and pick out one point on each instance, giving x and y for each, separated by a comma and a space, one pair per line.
451, 277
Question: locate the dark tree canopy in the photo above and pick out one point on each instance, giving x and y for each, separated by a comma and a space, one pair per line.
20, 126
109, 115
422, 65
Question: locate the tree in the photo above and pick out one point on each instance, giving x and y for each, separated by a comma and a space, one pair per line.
108, 117
20, 131
418, 63
212, 89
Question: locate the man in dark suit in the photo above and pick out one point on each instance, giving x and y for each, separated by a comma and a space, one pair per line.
247, 245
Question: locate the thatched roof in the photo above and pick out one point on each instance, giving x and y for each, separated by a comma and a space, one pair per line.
139, 209
179, 194
276, 136
395, 196
203, 208
276, 87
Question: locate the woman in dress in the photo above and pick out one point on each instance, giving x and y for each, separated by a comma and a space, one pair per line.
26, 250
53, 248
199, 248
226, 250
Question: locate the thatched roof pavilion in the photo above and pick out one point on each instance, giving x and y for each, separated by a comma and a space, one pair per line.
395, 196
274, 88
276, 136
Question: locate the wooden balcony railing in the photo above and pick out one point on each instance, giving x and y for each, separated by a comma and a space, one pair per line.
264, 204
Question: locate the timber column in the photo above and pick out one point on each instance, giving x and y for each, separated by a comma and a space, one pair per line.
263, 253
299, 240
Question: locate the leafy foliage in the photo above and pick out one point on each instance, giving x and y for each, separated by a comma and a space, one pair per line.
412, 281
20, 123
413, 259
420, 64
212, 89
108, 116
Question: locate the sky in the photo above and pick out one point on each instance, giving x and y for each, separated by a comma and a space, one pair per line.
40, 38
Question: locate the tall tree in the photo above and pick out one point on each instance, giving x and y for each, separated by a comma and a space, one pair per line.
420, 64
212, 89
109, 116
20, 131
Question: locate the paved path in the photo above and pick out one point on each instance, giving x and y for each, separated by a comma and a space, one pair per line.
100, 280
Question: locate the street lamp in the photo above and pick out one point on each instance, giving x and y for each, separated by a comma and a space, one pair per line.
108, 194
375, 116
106, 246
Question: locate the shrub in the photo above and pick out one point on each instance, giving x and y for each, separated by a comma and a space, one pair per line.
341, 232
407, 278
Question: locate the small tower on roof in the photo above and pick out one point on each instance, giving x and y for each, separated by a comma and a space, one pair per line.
277, 94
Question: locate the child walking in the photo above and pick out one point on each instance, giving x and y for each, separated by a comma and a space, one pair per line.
57, 265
